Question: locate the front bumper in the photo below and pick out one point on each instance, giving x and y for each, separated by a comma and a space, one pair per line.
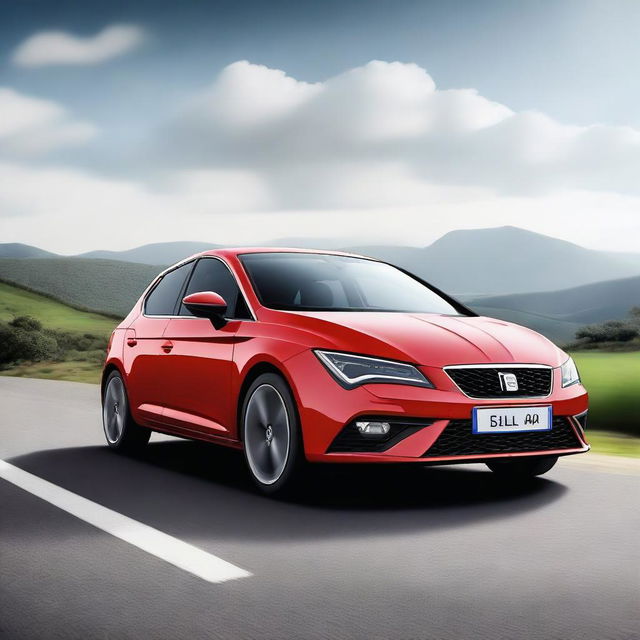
326, 409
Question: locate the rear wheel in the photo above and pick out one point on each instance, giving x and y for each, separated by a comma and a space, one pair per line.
271, 436
120, 430
521, 468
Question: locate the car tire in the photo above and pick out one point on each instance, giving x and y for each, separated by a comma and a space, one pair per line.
121, 431
522, 468
271, 436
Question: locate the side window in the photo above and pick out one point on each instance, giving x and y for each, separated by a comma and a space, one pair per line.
162, 300
210, 274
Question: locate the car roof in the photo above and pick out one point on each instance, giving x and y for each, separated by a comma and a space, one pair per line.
236, 251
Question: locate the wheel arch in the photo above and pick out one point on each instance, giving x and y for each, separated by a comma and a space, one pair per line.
106, 372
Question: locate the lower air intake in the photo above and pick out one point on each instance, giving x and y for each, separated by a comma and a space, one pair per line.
457, 439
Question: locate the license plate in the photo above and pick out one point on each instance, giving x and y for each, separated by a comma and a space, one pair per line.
511, 419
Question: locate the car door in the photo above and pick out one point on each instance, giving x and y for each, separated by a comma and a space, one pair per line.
199, 381
143, 350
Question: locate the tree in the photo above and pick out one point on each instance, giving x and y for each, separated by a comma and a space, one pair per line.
612, 331
18, 343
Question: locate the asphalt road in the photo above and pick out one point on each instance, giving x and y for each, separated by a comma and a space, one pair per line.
420, 553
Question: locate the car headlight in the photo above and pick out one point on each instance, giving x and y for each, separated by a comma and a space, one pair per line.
570, 373
351, 370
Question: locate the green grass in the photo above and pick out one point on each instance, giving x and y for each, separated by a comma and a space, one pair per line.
73, 370
15, 301
76, 366
614, 444
613, 383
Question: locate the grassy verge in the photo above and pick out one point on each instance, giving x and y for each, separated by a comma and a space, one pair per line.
81, 336
73, 370
614, 444
613, 383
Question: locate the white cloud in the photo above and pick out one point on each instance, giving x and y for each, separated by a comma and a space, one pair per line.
60, 48
390, 114
32, 126
378, 154
248, 96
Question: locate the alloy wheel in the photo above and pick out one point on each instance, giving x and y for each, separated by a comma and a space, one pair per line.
114, 409
267, 434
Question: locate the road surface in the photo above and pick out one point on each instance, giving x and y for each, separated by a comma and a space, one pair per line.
417, 553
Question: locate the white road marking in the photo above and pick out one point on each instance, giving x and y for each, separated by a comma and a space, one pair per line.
163, 546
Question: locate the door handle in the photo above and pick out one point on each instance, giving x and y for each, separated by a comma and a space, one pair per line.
132, 342
167, 346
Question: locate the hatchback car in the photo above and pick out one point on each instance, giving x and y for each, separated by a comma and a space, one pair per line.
300, 357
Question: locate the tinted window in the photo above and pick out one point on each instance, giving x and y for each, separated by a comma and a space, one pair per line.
323, 282
164, 297
211, 274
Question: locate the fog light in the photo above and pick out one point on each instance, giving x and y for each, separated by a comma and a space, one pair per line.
373, 429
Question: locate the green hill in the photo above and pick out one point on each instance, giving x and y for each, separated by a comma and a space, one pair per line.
592, 303
157, 253
107, 286
19, 250
559, 331
15, 301
79, 337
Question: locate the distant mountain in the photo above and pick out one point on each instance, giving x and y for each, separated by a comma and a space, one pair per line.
166, 253
471, 262
18, 250
587, 304
487, 266
506, 260
109, 286
632, 259
162, 253
559, 331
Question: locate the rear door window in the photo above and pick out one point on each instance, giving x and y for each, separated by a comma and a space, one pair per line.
163, 300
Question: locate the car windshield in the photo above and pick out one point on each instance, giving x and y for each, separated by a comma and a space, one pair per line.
325, 282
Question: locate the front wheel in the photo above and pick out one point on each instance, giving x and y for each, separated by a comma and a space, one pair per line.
271, 435
120, 430
522, 468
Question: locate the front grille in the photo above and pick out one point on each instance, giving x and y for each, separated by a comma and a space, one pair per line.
484, 382
350, 440
457, 439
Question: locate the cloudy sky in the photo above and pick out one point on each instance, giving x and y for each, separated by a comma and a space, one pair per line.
373, 121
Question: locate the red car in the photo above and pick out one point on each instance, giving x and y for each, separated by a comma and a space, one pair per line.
300, 356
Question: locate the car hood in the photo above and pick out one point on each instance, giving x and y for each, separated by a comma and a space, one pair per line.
428, 339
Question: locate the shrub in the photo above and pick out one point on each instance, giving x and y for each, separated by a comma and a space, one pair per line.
17, 343
69, 341
612, 331
28, 323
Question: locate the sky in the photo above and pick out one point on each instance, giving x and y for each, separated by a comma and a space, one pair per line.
372, 121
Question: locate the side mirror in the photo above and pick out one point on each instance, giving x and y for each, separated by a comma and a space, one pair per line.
207, 304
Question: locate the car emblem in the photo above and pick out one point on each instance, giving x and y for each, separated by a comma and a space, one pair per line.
508, 381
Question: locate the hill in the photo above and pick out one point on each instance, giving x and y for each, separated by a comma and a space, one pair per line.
559, 331
165, 253
105, 286
161, 253
506, 260
592, 303
15, 301
472, 262
18, 250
